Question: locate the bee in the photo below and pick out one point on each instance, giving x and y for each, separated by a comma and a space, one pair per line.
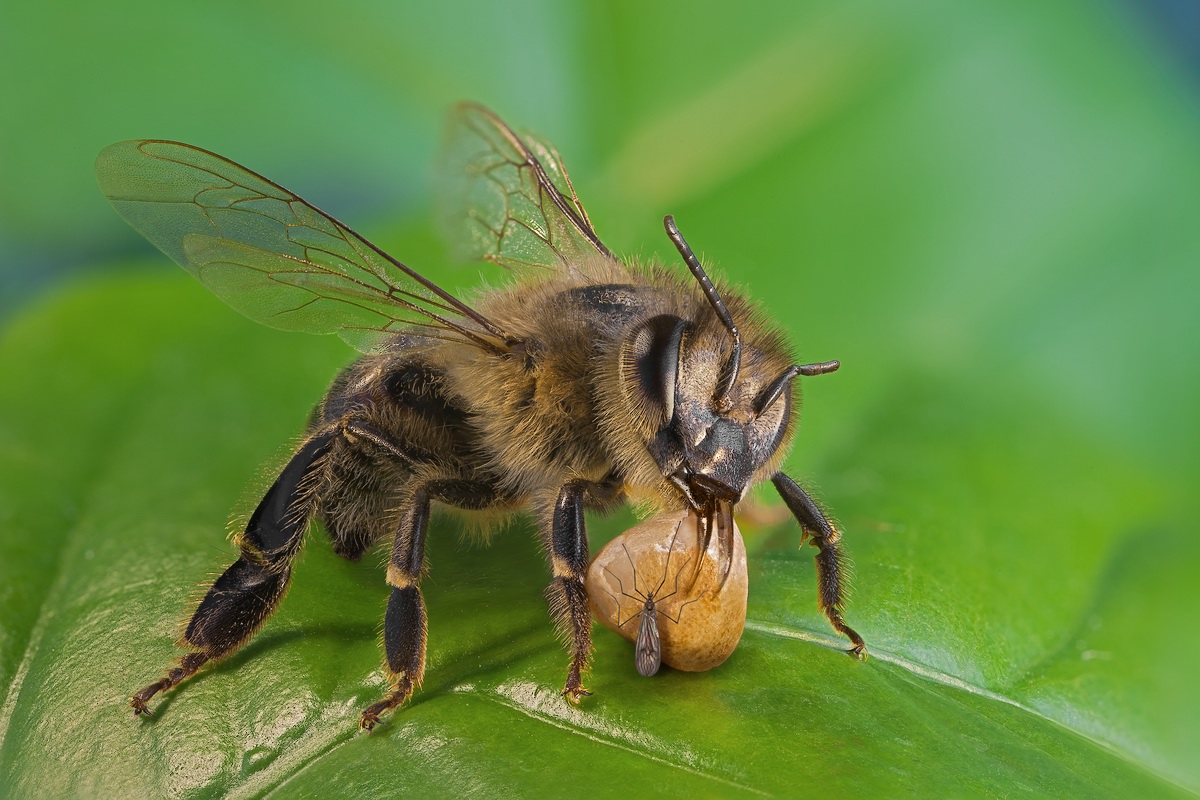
583, 382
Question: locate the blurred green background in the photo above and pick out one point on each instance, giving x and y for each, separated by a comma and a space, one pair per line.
987, 211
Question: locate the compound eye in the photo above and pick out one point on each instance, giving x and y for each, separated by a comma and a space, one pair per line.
650, 365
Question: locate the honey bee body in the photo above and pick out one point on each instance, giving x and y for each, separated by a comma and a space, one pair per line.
519, 427
583, 382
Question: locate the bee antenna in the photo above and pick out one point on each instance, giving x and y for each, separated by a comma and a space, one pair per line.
722, 398
823, 368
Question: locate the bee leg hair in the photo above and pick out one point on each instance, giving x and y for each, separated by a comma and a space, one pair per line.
567, 595
831, 562
404, 625
244, 597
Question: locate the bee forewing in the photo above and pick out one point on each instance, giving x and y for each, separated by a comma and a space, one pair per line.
271, 255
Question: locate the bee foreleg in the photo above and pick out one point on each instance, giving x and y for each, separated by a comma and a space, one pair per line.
246, 594
831, 562
567, 595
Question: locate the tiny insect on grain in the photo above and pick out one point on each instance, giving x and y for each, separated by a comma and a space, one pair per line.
710, 630
648, 646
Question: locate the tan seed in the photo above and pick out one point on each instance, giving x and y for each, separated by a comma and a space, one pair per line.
699, 619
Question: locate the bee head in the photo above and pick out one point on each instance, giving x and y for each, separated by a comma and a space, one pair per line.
715, 413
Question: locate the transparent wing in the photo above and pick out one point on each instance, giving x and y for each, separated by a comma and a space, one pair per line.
507, 198
271, 255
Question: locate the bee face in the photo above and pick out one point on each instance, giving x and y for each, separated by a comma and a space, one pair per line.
712, 412
707, 446
723, 449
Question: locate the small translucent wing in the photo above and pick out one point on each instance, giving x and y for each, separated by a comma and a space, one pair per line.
647, 650
271, 255
507, 198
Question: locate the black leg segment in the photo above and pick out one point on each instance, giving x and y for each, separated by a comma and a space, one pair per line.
830, 561
245, 596
567, 594
404, 626
236, 606
247, 593
404, 632
276, 528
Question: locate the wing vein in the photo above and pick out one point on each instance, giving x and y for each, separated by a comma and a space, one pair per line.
238, 231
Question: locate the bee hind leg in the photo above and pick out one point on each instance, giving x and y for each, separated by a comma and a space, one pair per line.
831, 562
186, 667
246, 594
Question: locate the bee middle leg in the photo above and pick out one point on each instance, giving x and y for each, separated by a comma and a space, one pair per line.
359, 491
404, 626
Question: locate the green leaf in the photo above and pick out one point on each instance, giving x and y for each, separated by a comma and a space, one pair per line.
120, 494
986, 211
